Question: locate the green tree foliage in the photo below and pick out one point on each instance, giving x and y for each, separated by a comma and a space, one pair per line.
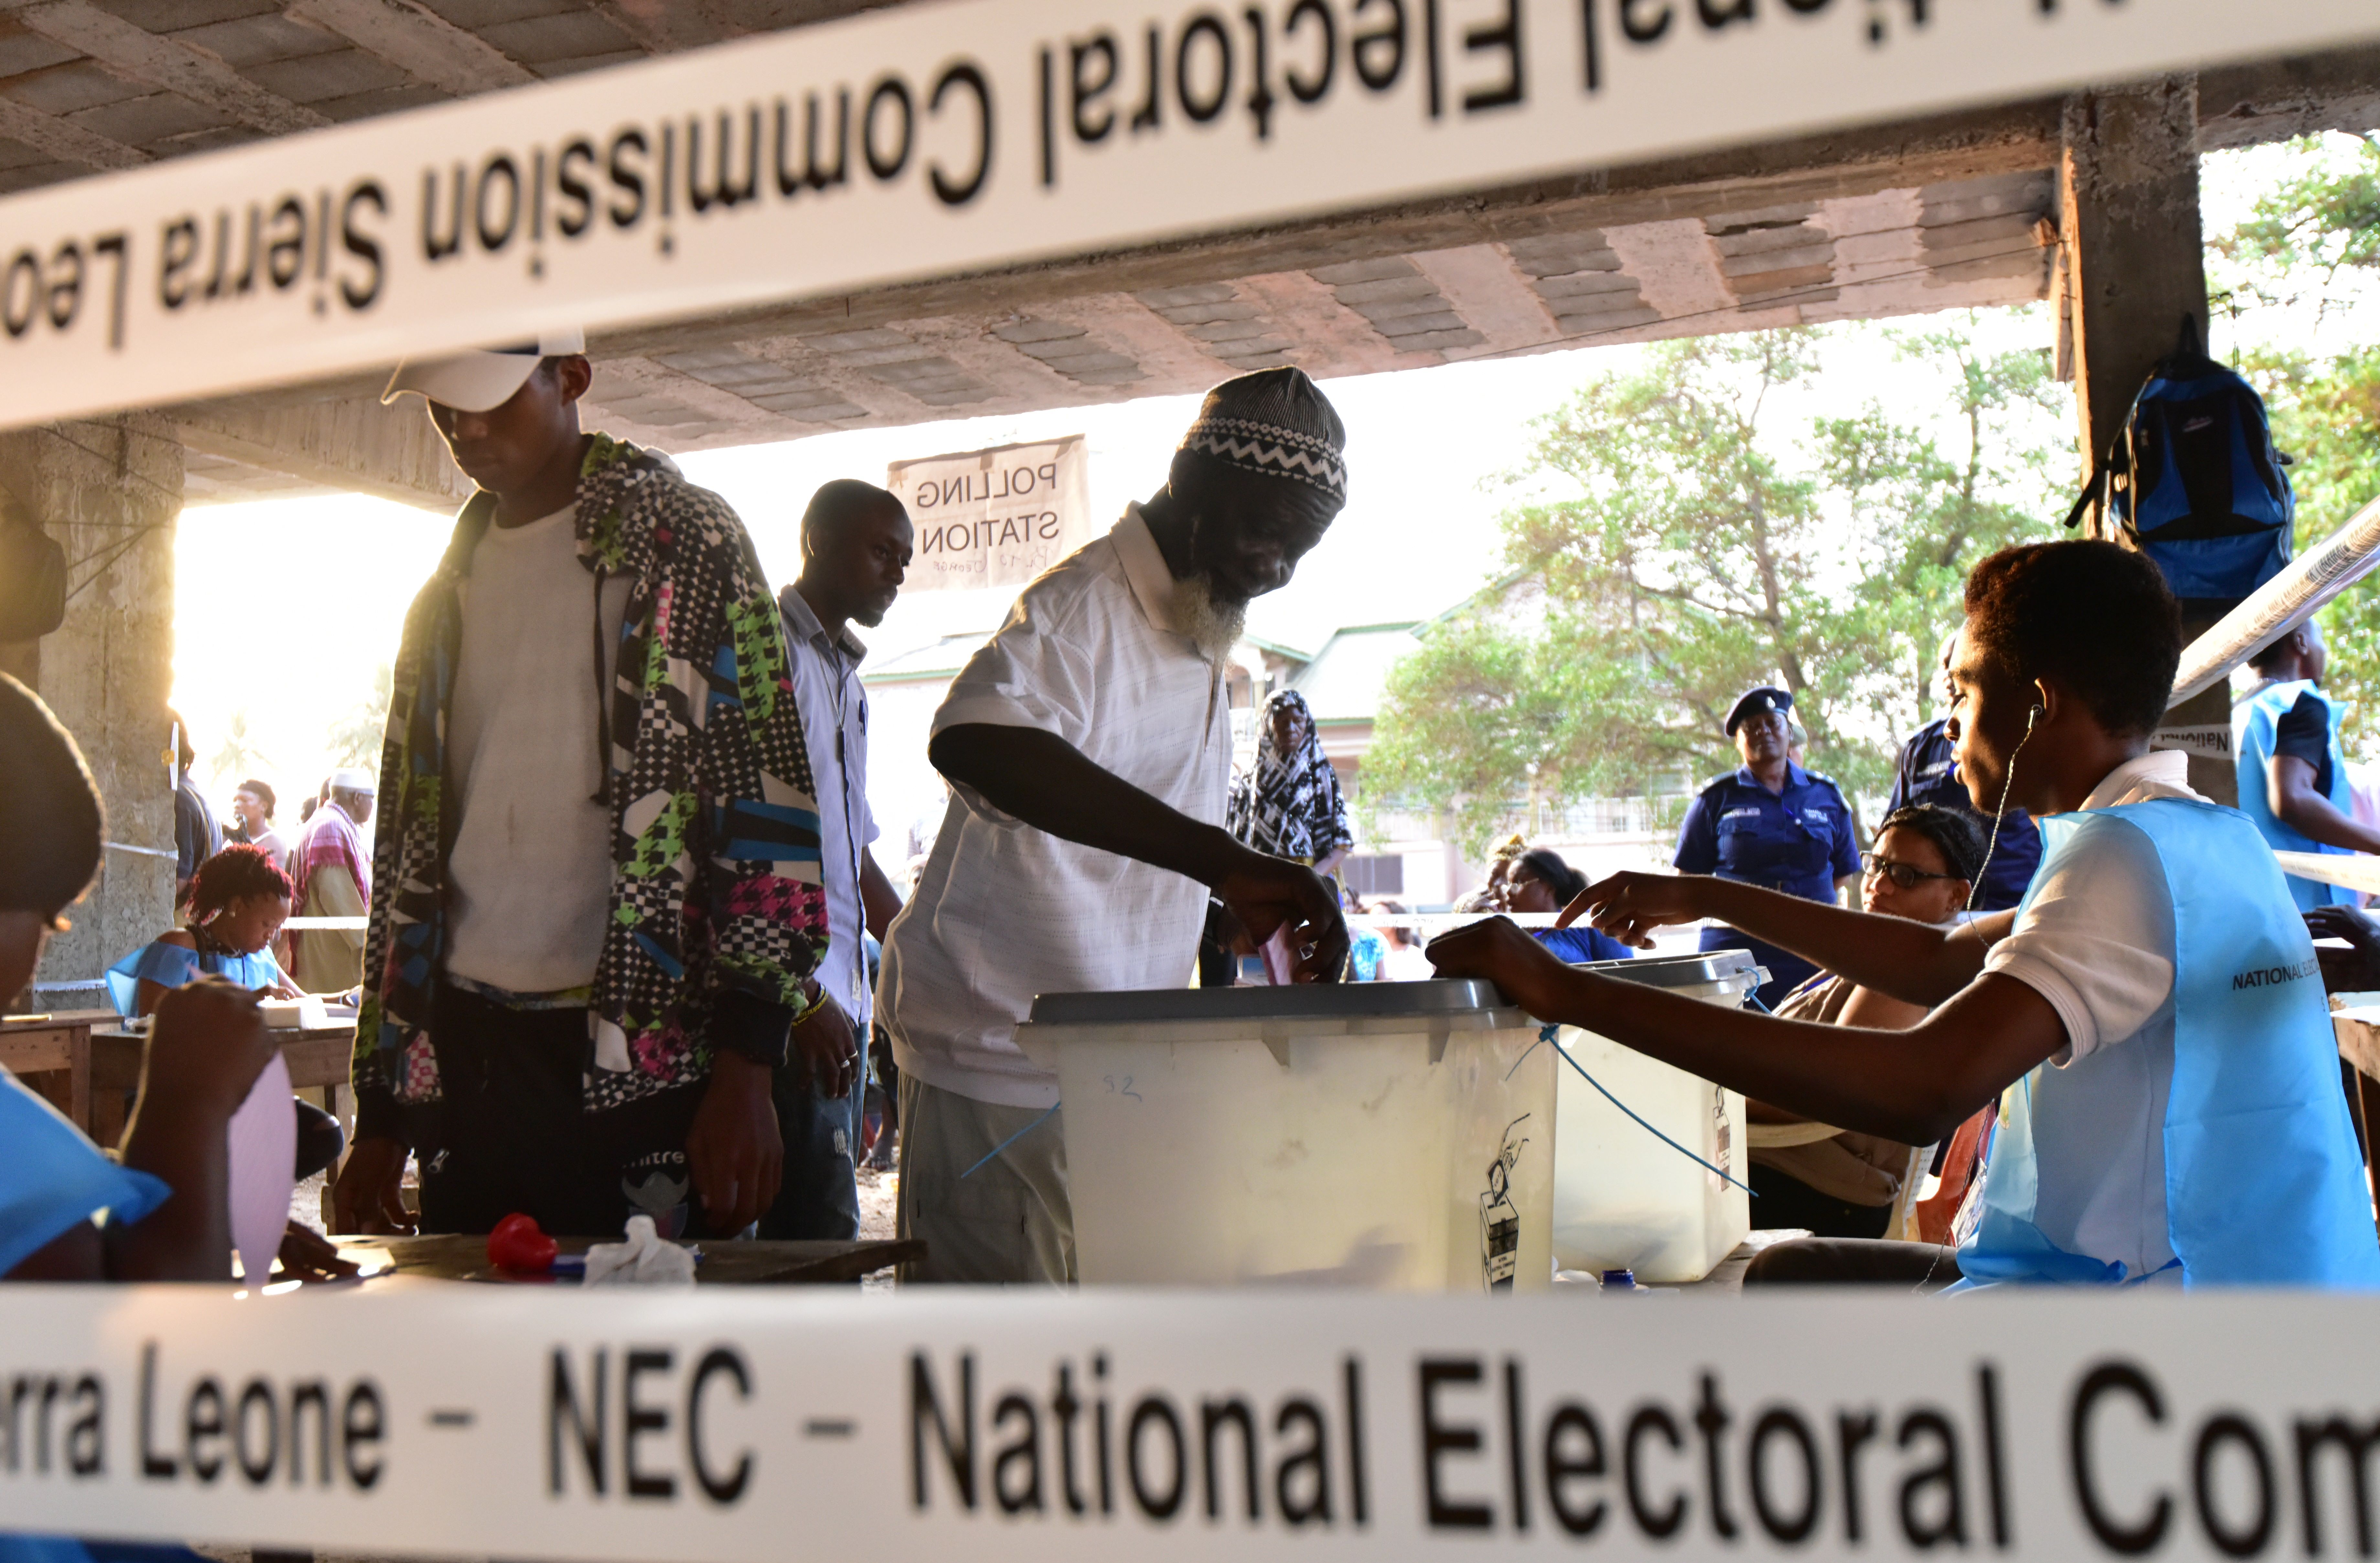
239, 757
1681, 538
354, 738
2309, 246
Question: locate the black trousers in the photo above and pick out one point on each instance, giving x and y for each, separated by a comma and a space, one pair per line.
1783, 1200
513, 1134
1913, 1267
819, 1197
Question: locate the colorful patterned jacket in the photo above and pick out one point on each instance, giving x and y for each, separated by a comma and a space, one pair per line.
715, 893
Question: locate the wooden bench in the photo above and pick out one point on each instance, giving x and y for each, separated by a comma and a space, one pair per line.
316, 1058
53, 1052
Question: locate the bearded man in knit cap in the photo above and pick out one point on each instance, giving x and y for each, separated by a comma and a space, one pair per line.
1089, 747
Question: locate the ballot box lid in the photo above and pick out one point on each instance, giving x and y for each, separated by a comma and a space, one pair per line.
1316, 1000
1698, 968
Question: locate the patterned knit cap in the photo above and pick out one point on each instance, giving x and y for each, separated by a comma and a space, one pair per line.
1277, 422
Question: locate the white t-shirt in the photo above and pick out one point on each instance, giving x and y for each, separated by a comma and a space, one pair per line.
531, 869
1004, 911
2097, 943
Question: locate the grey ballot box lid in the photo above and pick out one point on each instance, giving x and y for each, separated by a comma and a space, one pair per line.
1691, 970
1313, 1001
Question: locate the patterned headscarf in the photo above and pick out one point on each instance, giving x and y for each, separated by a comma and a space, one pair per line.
1289, 804
1276, 422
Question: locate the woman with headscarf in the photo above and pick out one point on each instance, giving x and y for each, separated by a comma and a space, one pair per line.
1288, 804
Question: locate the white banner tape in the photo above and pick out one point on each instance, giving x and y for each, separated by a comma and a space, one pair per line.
937, 140
743, 1427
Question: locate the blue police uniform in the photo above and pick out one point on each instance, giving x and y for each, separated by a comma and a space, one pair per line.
1800, 842
1927, 774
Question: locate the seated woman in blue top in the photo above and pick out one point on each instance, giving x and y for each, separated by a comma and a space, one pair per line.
1540, 880
167, 1197
2150, 1018
166, 1201
238, 902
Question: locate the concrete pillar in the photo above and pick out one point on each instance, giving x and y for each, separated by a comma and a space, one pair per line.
2136, 265
110, 493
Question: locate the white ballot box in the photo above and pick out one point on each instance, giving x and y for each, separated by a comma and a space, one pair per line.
1623, 1200
1388, 1135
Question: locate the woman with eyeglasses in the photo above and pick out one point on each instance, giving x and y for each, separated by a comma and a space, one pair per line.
1835, 1182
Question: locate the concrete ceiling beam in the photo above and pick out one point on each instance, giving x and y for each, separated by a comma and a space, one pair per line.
1484, 287
1175, 360
667, 27
1675, 264
167, 64
416, 41
353, 445
64, 139
1326, 336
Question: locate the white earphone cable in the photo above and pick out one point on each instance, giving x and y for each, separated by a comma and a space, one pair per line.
2000, 814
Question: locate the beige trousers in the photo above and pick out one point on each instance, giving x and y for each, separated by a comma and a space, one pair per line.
1010, 1221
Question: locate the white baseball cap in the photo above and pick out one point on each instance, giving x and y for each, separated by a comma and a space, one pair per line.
348, 779
482, 380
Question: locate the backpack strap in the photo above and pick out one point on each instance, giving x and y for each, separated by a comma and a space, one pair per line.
2187, 361
2091, 489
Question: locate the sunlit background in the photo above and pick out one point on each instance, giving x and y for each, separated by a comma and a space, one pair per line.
288, 611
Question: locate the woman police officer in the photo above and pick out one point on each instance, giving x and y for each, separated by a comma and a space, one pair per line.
1769, 822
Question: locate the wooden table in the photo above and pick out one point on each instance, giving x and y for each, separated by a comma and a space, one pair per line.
724, 1263
58, 1043
316, 1058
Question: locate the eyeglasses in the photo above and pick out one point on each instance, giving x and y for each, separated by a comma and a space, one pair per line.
1905, 874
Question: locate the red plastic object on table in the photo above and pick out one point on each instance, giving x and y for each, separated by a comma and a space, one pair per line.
517, 1245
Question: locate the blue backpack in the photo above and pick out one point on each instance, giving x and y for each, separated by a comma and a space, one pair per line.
2194, 482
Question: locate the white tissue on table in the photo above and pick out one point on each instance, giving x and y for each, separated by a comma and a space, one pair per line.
643, 1260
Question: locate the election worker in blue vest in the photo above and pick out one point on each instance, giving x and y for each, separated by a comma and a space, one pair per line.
1769, 822
2150, 1021
2293, 780
1925, 772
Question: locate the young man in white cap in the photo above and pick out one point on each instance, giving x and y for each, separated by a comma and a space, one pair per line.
334, 879
596, 903
1093, 728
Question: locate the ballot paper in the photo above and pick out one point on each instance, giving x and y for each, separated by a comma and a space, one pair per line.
263, 1142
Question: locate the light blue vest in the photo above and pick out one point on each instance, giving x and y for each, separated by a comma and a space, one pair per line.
2253, 721
2263, 1185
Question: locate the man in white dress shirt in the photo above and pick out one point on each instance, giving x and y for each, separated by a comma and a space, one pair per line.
1088, 747
855, 548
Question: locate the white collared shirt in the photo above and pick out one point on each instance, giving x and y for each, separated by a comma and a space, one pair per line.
835, 729
2096, 941
1091, 652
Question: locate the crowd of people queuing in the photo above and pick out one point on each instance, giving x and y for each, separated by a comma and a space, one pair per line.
622, 914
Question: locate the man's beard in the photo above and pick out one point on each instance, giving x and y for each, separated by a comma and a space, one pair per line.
1213, 622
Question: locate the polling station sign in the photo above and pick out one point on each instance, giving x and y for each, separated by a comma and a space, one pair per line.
937, 140
733, 1427
996, 517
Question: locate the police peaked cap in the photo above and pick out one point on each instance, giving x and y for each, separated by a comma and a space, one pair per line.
1753, 702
